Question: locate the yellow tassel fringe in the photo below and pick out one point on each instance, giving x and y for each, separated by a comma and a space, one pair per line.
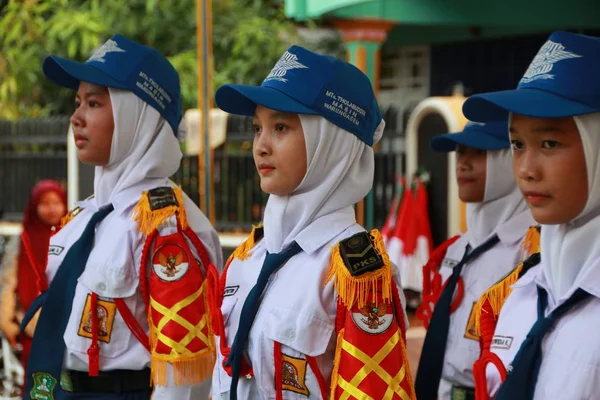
149, 220
531, 242
187, 370
496, 295
336, 363
243, 251
353, 289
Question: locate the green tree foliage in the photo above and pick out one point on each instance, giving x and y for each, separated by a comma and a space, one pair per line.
248, 37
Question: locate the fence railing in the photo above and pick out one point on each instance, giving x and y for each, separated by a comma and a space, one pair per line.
31, 150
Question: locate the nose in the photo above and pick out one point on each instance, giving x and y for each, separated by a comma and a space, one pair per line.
262, 144
77, 118
463, 162
525, 163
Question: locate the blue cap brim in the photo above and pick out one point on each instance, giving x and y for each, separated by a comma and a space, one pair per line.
476, 140
495, 106
242, 100
69, 73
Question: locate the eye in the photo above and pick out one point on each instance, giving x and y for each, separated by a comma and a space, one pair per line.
93, 104
256, 129
77, 104
280, 128
549, 144
516, 144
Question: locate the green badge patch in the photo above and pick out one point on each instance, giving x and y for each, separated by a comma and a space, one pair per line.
43, 386
359, 255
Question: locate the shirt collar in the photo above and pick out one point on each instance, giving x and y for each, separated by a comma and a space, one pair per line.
325, 229
514, 229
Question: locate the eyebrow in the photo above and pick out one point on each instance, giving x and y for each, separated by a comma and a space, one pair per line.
89, 93
540, 130
278, 115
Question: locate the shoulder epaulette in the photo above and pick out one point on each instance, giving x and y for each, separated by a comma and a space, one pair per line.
357, 264
243, 250
73, 213
499, 292
157, 205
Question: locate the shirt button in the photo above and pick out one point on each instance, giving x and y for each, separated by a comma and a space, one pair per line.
101, 286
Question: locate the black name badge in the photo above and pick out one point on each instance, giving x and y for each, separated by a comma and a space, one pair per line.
162, 197
359, 255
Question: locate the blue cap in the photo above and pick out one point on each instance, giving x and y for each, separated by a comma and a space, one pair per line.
483, 136
562, 81
124, 64
303, 82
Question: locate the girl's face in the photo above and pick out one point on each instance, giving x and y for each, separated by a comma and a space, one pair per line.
470, 173
51, 209
279, 151
549, 167
93, 124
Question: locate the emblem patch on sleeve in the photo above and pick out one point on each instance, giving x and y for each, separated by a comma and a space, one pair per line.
374, 318
43, 386
106, 311
359, 254
294, 375
162, 197
170, 262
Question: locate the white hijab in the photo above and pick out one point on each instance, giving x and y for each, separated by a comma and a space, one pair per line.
570, 249
339, 173
501, 202
143, 146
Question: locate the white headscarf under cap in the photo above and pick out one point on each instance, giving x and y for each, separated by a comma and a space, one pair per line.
143, 146
340, 170
570, 249
501, 202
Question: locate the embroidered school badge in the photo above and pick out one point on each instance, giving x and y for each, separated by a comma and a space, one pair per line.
43, 386
106, 311
374, 317
294, 375
170, 262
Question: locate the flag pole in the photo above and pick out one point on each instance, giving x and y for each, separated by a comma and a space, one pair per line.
205, 63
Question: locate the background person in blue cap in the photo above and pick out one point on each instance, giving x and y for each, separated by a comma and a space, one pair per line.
310, 285
129, 261
546, 335
497, 221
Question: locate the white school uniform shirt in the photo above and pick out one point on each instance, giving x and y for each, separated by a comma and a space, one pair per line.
570, 350
477, 276
297, 310
115, 274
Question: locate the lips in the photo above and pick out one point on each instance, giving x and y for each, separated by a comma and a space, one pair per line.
464, 180
80, 140
264, 168
535, 198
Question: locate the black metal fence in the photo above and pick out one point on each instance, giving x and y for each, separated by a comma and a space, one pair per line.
31, 150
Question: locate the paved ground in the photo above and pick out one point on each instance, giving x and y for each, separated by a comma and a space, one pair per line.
414, 342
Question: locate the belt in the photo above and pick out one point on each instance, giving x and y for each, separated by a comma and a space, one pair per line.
462, 393
117, 381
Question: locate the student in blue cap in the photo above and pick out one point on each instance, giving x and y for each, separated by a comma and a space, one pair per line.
497, 221
311, 298
125, 306
546, 335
